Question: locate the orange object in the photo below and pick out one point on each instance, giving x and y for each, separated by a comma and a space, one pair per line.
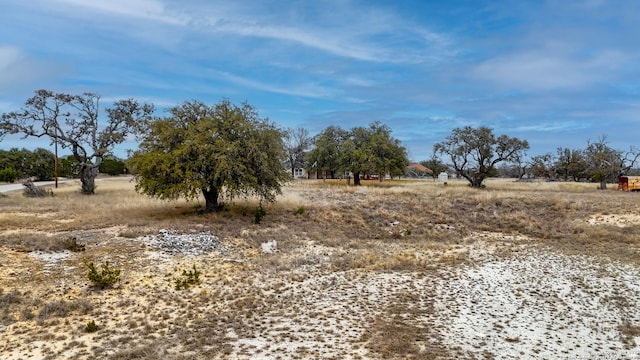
629, 183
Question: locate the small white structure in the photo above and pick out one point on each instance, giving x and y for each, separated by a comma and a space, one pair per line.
443, 176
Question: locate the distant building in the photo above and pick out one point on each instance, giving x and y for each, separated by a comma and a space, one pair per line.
418, 170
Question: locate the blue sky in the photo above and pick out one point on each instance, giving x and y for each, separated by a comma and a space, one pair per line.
555, 73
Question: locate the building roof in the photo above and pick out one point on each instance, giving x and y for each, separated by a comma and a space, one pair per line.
420, 167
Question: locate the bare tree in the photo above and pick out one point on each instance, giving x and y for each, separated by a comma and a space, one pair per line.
474, 152
604, 162
72, 121
630, 159
541, 166
570, 164
297, 141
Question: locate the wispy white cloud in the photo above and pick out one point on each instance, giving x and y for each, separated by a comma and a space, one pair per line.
19, 71
550, 127
306, 90
363, 34
332, 44
153, 10
539, 70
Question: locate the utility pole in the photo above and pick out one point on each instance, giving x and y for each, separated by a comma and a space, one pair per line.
55, 162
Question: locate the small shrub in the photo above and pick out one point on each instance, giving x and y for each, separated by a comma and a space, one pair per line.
628, 333
8, 175
259, 214
10, 298
91, 327
515, 339
300, 210
106, 277
33, 190
62, 309
72, 244
26, 314
189, 277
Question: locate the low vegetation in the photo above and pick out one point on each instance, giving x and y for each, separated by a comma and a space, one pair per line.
103, 278
189, 278
355, 273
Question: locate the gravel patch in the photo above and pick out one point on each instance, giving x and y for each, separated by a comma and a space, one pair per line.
194, 244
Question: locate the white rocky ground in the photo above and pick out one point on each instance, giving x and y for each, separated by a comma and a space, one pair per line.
536, 305
541, 305
530, 304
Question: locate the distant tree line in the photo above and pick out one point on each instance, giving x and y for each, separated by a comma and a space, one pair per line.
21, 163
39, 165
476, 153
597, 162
361, 151
223, 151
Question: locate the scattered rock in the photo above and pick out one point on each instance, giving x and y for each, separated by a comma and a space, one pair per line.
185, 244
269, 247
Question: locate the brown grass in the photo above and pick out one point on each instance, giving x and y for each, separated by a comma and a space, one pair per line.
395, 228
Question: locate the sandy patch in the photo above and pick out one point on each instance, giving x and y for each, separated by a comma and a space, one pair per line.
621, 220
542, 305
324, 316
50, 259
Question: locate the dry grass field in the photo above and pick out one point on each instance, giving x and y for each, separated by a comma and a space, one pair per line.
402, 269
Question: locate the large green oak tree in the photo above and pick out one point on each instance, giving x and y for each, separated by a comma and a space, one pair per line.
221, 151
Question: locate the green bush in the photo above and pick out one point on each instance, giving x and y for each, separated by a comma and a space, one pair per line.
8, 175
106, 277
190, 277
91, 327
112, 166
68, 167
40, 165
259, 214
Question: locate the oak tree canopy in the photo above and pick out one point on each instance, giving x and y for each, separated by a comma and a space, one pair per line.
221, 151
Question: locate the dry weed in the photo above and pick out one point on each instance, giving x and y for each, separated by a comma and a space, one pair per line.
344, 234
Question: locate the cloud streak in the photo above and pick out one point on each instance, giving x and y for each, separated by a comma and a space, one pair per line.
553, 73
151, 10
539, 71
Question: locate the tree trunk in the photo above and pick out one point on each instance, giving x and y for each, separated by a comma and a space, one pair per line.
356, 179
476, 182
211, 199
603, 185
88, 173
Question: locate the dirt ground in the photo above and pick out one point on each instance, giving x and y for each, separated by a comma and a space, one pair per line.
403, 271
